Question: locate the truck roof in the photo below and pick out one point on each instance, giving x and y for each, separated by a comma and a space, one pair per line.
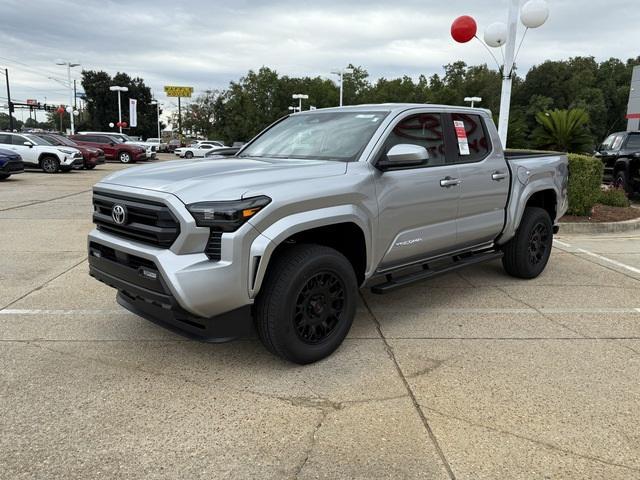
397, 108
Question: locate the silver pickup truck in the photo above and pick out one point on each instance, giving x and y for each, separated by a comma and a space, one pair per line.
279, 238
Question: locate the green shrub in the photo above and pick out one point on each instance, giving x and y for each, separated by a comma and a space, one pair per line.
585, 178
614, 197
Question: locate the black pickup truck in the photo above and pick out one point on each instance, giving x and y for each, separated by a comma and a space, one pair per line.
620, 153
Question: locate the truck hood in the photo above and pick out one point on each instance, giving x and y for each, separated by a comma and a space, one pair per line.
221, 179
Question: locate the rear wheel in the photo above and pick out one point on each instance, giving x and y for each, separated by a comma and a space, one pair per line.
526, 255
621, 181
188, 155
89, 167
307, 303
50, 165
124, 157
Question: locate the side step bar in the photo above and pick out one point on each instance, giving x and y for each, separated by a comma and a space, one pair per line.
457, 261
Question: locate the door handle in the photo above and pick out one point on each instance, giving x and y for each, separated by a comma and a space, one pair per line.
447, 182
497, 176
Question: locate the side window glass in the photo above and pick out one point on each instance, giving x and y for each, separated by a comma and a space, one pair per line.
634, 142
424, 129
471, 136
5, 139
18, 140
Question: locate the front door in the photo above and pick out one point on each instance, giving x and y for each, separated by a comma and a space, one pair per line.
484, 174
29, 154
418, 206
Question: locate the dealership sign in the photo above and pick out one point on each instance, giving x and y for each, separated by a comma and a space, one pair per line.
133, 112
173, 91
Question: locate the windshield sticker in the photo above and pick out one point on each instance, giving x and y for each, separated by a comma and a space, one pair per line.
463, 142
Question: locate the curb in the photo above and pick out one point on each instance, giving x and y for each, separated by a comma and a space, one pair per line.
603, 227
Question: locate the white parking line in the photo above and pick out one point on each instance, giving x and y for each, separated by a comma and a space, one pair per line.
600, 257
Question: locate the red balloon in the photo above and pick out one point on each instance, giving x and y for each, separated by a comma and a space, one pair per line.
463, 29
124, 124
60, 109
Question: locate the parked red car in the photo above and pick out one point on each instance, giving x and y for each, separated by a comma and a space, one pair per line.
92, 156
114, 149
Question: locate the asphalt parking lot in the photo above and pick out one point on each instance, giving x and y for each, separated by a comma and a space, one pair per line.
471, 375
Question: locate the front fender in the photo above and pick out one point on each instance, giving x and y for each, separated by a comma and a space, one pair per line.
265, 244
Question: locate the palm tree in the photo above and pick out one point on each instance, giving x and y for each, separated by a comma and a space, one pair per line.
563, 130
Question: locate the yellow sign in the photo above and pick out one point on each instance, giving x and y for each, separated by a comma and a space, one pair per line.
173, 91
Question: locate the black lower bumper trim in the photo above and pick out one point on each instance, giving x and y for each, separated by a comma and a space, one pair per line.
221, 328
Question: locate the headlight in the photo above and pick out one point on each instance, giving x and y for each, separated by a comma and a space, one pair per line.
64, 150
227, 216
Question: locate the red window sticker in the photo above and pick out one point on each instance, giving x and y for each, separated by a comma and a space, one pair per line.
461, 133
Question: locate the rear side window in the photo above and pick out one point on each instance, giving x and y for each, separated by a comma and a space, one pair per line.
471, 135
634, 142
423, 129
5, 139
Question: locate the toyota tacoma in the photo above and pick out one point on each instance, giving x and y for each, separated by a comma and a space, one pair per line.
279, 238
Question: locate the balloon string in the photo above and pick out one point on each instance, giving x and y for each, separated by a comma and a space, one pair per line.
518, 50
490, 52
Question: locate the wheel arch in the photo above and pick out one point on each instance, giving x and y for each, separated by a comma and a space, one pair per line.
320, 227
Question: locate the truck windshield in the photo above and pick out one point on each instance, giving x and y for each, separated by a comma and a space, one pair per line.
340, 136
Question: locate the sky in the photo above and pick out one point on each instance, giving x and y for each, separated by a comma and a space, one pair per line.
207, 44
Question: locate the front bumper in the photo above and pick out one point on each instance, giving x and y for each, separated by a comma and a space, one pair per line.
12, 167
150, 298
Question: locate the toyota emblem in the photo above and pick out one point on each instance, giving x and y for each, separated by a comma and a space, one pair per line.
119, 214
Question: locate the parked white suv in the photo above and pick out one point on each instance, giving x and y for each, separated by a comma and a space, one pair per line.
38, 153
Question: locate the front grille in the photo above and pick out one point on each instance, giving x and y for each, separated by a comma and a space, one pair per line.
213, 250
146, 221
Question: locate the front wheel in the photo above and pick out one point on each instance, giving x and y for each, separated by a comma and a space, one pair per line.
50, 165
307, 303
527, 253
188, 155
621, 181
4, 176
124, 157
89, 167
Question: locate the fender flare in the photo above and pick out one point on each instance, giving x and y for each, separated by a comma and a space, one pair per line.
267, 241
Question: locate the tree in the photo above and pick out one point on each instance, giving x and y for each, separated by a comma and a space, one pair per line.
102, 104
198, 118
563, 130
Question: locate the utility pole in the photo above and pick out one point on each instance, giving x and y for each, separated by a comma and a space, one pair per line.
179, 120
6, 73
341, 72
75, 96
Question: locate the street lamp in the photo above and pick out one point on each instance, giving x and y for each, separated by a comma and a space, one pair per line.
157, 104
341, 72
533, 14
119, 89
70, 86
300, 97
473, 100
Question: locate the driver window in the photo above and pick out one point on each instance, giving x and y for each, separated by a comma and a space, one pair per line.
17, 140
423, 129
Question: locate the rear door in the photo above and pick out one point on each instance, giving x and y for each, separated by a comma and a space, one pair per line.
484, 176
418, 206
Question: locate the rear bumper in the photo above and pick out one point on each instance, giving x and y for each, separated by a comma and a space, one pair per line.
150, 298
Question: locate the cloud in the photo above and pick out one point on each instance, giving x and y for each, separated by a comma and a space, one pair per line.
206, 44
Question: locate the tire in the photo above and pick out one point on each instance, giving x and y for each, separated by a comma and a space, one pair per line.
526, 255
4, 176
50, 164
293, 315
621, 181
124, 157
188, 155
89, 167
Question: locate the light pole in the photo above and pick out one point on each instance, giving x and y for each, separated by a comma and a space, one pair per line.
341, 72
473, 100
157, 104
533, 14
119, 89
70, 85
300, 97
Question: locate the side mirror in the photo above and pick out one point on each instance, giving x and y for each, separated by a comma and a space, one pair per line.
404, 155
28, 144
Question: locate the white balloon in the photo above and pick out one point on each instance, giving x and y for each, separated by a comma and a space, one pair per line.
534, 13
111, 124
76, 113
496, 34
69, 109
